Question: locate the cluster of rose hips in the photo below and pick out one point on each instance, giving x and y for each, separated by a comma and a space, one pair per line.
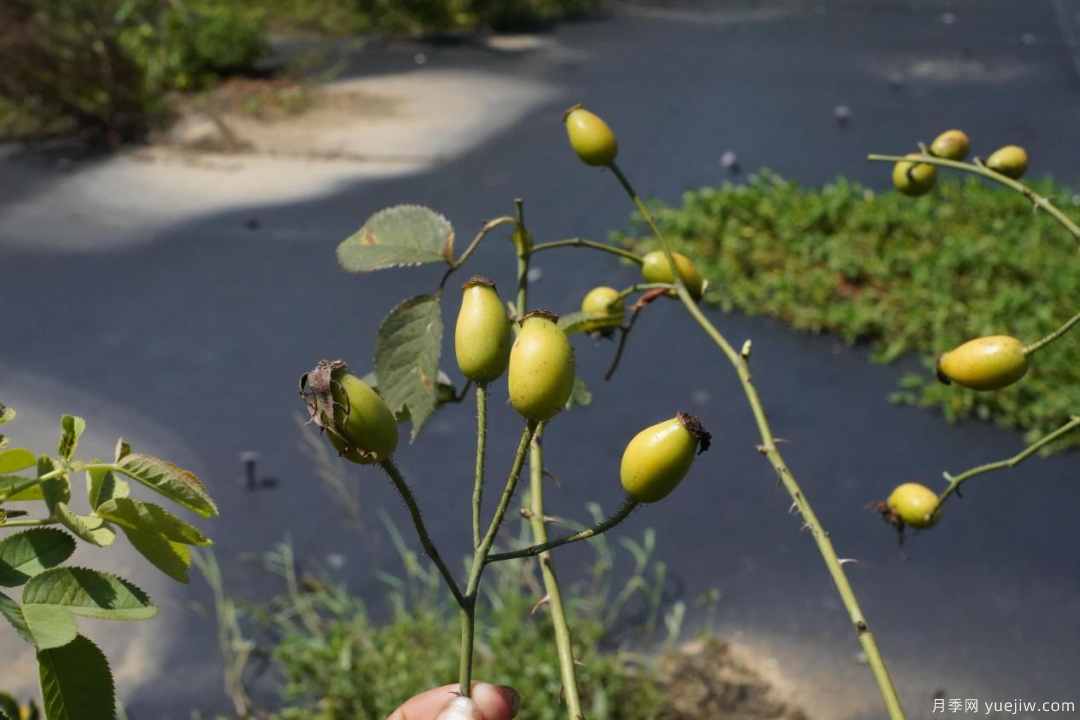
915, 178
986, 363
540, 376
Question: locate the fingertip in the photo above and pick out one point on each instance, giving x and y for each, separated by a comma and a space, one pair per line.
496, 702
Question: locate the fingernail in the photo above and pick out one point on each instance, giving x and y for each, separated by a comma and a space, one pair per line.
512, 697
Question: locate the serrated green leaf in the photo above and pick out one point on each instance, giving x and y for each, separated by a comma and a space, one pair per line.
71, 429
123, 449
16, 459
579, 396
24, 555
14, 488
407, 358
446, 393
103, 485
171, 558
180, 486
89, 593
147, 517
43, 626
398, 236
88, 528
76, 683
6, 414
9, 707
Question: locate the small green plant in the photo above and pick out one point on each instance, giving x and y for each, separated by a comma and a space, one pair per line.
905, 275
76, 682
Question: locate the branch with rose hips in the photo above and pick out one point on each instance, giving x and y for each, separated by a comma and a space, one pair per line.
542, 382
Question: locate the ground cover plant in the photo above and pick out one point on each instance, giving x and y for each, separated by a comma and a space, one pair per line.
906, 275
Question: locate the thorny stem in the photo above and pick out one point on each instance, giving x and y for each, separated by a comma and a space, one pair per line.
468, 603
392, 472
740, 362
563, 640
1052, 336
600, 528
579, 242
487, 227
956, 481
977, 168
481, 442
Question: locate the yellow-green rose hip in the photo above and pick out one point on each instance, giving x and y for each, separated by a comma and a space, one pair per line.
986, 363
659, 457
604, 310
541, 375
655, 268
590, 137
914, 179
951, 145
915, 505
482, 336
358, 423
1011, 161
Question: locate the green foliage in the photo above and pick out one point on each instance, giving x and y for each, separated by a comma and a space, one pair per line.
909, 275
105, 67
407, 358
337, 662
76, 683
398, 236
75, 678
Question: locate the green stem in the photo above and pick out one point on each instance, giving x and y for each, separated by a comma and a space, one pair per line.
955, 482
468, 603
740, 362
481, 442
579, 242
1052, 336
545, 545
398, 480
487, 227
29, 523
642, 287
978, 168
567, 669
563, 640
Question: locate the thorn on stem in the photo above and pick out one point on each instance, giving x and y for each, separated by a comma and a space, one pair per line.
546, 600
845, 561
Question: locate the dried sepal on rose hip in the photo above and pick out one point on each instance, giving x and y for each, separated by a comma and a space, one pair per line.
590, 137
655, 268
541, 375
986, 363
604, 310
659, 457
356, 420
914, 179
911, 505
482, 335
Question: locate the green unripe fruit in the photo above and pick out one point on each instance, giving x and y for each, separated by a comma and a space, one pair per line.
1011, 161
604, 310
951, 145
368, 433
915, 505
987, 363
541, 374
914, 179
590, 137
659, 457
655, 268
482, 336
